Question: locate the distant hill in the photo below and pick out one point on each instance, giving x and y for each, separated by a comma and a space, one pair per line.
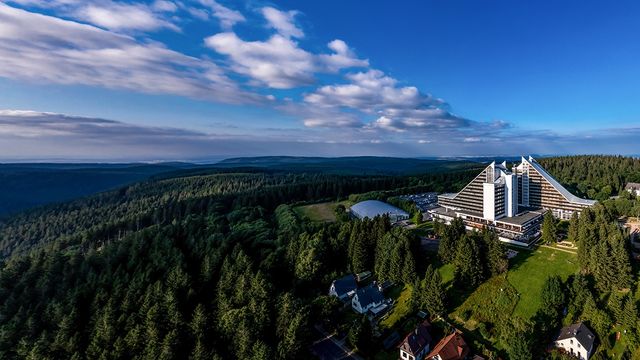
353, 165
27, 185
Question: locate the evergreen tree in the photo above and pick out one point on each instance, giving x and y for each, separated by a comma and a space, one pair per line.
629, 314
468, 267
520, 347
620, 258
496, 254
615, 305
572, 233
549, 228
360, 334
449, 238
432, 292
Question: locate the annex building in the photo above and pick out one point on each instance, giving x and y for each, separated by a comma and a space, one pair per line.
510, 201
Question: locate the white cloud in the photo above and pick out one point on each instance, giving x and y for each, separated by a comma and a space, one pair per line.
279, 62
371, 91
66, 52
283, 22
116, 16
112, 15
395, 109
227, 17
164, 5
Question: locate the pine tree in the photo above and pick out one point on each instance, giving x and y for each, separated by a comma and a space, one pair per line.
468, 267
396, 265
497, 260
615, 305
630, 314
432, 292
572, 233
360, 334
552, 296
549, 229
449, 239
293, 341
620, 257
520, 347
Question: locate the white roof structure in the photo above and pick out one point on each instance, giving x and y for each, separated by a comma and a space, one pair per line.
372, 208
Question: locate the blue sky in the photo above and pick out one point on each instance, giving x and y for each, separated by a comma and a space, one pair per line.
201, 80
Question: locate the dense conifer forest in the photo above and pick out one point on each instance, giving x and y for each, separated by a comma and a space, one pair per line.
593, 176
201, 265
221, 266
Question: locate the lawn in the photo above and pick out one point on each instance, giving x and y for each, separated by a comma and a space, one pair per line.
446, 272
491, 303
322, 212
497, 301
529, 270
401, 307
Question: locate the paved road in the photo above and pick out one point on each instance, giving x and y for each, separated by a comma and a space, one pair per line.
327, 347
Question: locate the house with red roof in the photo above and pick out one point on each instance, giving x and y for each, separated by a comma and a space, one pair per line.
452, 347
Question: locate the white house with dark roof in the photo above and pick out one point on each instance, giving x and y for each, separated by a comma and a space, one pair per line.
577, 340
367, 298
343, 288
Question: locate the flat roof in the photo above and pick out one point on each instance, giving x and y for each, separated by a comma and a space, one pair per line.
519, 219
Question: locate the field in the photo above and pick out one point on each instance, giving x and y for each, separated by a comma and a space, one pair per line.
322, 212
499, 300
529, 270
401, 308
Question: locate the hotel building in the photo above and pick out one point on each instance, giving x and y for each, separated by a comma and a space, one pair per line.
512, 202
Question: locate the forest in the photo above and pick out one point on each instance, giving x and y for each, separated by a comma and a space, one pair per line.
217, 266
199, 265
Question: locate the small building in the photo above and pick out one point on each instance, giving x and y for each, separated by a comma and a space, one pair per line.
365, 275
343, 288
386, 285
577, 340
452, 347
372, 208
417, 343
367, 298
633, 188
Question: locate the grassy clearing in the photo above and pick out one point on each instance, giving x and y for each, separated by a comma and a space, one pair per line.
401, 308
446, 272
322, 212
491, 303
529, 270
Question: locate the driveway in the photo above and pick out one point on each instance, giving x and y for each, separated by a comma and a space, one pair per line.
327, 347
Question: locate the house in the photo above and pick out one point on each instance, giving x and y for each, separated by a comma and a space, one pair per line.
363, 276
367, 298
417, 343
576, 340
343, 288
452, 347
384, 286
633, 188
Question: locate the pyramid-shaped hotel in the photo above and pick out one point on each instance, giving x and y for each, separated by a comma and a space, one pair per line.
512, 202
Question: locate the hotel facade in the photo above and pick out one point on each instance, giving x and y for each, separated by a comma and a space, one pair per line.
512, 202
